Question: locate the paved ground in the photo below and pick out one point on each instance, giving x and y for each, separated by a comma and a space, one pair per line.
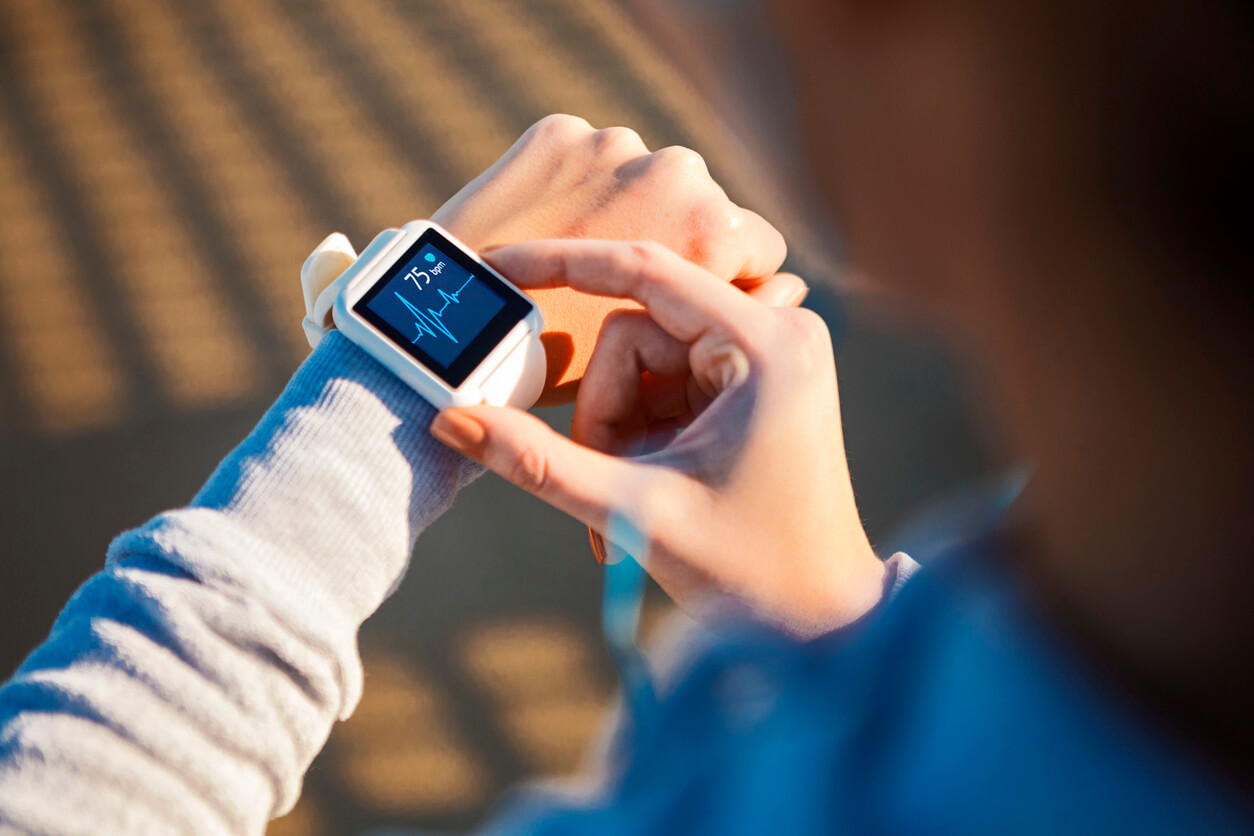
164, 168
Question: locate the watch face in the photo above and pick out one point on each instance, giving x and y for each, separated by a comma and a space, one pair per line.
441, 307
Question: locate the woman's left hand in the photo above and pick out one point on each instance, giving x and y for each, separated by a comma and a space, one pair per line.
564, 179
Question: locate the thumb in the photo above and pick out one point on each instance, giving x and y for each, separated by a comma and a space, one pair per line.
522, 449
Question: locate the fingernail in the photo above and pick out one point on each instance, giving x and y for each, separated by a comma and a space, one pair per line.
800, 295
459, 431
598, 546
730, 368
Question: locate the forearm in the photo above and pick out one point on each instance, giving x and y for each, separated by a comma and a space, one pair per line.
187, 686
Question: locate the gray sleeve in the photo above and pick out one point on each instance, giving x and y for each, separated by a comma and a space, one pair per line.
900, 568
187, 686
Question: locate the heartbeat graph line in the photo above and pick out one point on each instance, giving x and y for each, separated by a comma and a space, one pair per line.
431, 322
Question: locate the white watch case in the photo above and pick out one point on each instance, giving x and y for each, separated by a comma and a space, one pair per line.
512, 373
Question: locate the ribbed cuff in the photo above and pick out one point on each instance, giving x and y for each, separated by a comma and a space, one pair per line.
899, 568
318, 509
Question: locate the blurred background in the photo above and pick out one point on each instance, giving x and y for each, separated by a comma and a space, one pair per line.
166, 165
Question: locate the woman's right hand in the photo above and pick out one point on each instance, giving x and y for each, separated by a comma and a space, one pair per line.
750, 505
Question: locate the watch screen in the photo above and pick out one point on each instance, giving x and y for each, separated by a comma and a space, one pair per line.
441, 307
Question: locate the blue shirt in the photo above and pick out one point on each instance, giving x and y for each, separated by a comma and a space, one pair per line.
952, 710
188, 685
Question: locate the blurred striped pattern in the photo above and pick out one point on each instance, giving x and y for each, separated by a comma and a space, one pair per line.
165, 165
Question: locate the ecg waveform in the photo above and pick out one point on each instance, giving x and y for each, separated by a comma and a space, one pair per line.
430, 322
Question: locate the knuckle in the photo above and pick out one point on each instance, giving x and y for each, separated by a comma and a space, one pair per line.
806, 327
621, 260
619, 322
617, 141
560, 126
644, 259
644, 253
713, 237
635, 263
621, 334
717, 220
530, 470
679, 158
560, 265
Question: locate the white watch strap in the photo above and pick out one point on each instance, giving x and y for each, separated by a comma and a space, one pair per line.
519, 379
325, 273
321, 279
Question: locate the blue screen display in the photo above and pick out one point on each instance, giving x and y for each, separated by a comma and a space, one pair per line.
436, 303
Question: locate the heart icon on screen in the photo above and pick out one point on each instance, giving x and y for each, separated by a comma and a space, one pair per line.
430, 257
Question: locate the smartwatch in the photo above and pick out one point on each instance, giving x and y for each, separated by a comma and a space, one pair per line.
430, 310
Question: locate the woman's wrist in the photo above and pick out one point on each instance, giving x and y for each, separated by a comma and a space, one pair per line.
849, 589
